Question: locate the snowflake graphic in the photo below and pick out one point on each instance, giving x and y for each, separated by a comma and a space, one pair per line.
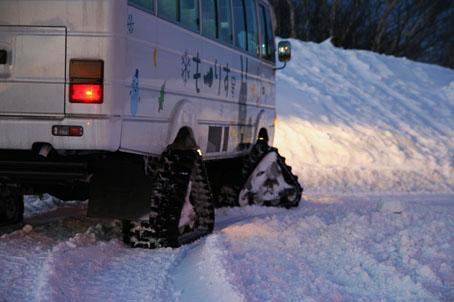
185, 64
130, 23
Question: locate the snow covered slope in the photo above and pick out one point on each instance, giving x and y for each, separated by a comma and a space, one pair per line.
358, 121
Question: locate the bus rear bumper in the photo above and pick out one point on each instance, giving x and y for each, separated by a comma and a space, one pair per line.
101, 134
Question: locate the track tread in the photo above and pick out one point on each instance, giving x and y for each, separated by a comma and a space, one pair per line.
171, 175
11, 205
249, 163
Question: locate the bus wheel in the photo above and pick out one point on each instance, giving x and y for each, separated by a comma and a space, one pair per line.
182, 208
11, 205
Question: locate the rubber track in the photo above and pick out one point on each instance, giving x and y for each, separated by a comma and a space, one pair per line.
290, 178
171, 175
250, 162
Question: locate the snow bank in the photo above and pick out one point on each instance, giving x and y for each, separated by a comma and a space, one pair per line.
344, 251
36, 205
352, 121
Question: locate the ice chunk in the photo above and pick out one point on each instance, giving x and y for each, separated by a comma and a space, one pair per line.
390, 205
27, 228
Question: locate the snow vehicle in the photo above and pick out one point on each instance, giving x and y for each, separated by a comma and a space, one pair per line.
155, 111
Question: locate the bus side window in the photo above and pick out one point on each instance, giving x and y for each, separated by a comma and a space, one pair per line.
168, 9
184, 11
147, 5
225, 23
240, 24
216, 20
209, 26
269, 30
189, 10
251, 25
267, 47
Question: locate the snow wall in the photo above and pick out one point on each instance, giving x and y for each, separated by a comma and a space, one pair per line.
357, 121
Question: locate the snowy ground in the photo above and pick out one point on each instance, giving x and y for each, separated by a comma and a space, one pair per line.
350, 123
331, 248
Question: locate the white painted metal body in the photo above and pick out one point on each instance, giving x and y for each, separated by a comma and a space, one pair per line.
158, 78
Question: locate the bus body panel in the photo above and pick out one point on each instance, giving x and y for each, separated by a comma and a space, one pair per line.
84, 16
99, 133
158, 77
176, 64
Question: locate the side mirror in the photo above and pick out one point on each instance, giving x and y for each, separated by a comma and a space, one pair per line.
284, 51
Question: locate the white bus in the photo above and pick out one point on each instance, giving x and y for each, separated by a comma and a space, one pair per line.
157, 111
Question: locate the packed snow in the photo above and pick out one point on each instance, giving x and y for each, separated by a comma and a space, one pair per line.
371, 139
331, 248
352, 121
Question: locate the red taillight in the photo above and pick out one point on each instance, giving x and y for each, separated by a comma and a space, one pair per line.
76, 131
62, 130
86, 81
86, 93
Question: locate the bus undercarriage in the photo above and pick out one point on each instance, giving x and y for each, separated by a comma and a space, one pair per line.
167, 200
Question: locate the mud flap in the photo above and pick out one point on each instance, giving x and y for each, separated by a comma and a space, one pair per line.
120, 189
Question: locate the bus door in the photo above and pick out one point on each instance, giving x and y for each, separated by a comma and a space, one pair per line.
32, 70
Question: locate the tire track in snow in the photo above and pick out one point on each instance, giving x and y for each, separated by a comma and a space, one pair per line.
203, 274
86, 269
